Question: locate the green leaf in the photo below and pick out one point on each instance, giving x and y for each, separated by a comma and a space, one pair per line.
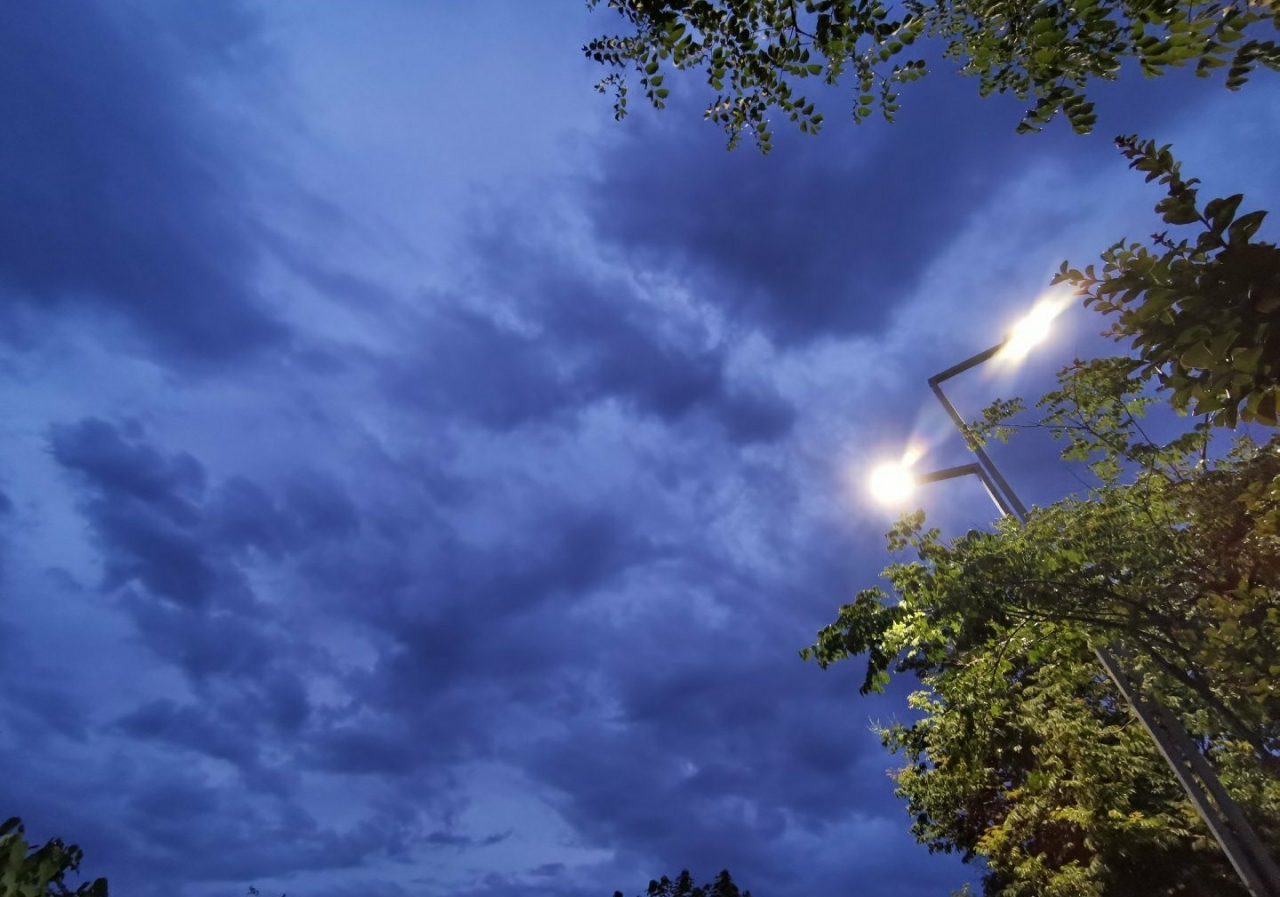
1245, 227
1221, 211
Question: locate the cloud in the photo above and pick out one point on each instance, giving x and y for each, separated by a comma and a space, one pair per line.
476, 641
581, 338
120, 192
230, 727
246, 841
452, 839
161, 528
821, 238
143, 511
827, 237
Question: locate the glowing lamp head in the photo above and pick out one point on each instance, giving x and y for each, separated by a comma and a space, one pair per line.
1032, 329
892, 483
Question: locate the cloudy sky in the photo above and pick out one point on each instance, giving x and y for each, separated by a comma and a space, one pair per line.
413, 482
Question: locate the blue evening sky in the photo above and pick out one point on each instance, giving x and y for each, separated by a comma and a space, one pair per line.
413, 482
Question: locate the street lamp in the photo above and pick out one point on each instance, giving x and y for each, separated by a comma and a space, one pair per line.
1032, 329
1199, 780
1024, 336
893, 482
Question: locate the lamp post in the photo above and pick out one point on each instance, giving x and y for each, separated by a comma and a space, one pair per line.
1199, 780
893, 482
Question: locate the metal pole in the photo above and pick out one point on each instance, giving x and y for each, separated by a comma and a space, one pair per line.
1227, 823
983, 457
1199, 780
950, 473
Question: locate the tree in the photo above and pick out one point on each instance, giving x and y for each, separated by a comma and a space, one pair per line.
683, 886
756, 53
1025, 755
27, 871
1203, 316
1026, 758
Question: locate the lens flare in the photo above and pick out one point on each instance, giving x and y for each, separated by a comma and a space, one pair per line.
1032, 329
892, 482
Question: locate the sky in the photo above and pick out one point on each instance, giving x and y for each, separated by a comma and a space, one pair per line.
415, 482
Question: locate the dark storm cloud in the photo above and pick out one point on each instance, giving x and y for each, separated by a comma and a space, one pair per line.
188, 727
158, 527
202, 642
476, 633
748, 726
452, 839
487, 602
320, 507
157, 826
826, 236
6, 513
721, 747
176, 550
473, 366
41, 709
117, 191
668, 377
141, 506
117, 461
586, 340
246, 670
171, 806
247, 517
822, 237
274, 704
488, 634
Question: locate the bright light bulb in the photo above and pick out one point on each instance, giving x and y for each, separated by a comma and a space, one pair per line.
1032, 329
892, 483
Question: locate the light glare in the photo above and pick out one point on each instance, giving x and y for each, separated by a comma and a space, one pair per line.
892, 483
1032, 329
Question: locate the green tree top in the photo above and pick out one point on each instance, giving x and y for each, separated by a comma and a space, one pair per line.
683, 886
1201, 311
755, 54
29, 871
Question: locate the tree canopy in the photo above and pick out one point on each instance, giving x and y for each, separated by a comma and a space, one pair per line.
683, 886
29, 871
756, 54
1202, 314
1024, 754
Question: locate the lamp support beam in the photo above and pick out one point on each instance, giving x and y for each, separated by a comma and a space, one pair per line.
950, 473
935, 384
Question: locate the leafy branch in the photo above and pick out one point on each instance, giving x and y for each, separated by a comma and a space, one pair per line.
755, 54
1202, 314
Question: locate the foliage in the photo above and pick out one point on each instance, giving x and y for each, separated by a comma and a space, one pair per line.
1204, 315
755, 53
683, 886
1025, 755
1183, 561
27, 871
